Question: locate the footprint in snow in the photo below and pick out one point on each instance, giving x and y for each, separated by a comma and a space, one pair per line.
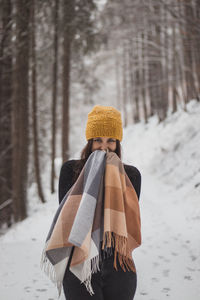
165, 273
190, 269
160, 256
143, 293
41, 290
193, 257
154, 279
155, 264
165, 290
143, 251
188, 277
174, 253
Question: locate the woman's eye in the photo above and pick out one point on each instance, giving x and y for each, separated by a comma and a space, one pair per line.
97, 140
112, 141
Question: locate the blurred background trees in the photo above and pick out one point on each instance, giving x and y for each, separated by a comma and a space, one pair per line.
49, 51
157, 44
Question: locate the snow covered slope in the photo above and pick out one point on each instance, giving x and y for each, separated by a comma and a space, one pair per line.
168, 262
168, 156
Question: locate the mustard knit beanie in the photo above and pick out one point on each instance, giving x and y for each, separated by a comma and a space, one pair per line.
104, 121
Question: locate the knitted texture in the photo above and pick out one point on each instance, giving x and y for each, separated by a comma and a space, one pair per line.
104, 121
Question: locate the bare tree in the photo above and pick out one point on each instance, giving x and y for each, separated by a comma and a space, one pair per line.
5, 113
54, 94
125, 84
68, 16
20, 124
164, 49
188, 52
78, 39
34, 103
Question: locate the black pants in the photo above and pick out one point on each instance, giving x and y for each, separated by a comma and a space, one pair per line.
108, 284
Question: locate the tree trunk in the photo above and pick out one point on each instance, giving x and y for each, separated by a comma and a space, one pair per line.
188, 52
196, 44
143, 75
5, 114
68, 15
54, 95
125, 88
165, 66
137, 83
181, 56
118, 81
132, 83
20, 124
34, 103
174, 82
152, 75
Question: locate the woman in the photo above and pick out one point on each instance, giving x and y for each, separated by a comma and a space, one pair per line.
103, 132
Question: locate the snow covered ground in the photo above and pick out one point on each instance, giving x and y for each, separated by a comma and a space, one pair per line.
168, 262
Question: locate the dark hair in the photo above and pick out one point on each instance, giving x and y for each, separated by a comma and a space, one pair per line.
85, 153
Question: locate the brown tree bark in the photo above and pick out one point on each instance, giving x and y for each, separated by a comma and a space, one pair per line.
20, 125
125, 86
191, 91
68, 16
118, 81
131, 79
181, 55
151, 74
174, 70
143, 76
5, 114
196, 44
34, 104
155, 67
54, 95
136, 112
165, 66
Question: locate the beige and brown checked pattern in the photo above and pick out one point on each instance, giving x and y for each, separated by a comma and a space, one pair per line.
122, 226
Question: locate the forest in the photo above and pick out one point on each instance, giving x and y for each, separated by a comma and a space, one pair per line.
48, 54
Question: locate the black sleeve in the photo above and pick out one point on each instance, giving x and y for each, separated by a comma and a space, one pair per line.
135, 178
65, 179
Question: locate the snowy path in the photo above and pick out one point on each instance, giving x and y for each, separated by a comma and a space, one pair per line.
168, 262
20, 251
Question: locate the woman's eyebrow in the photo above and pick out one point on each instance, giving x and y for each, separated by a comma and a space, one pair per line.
97, 138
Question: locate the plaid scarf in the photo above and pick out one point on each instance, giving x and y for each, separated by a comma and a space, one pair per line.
101, 208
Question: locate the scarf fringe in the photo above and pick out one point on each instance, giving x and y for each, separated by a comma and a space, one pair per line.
88, 285
88, 270
119, 243
49, 270
95, 264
